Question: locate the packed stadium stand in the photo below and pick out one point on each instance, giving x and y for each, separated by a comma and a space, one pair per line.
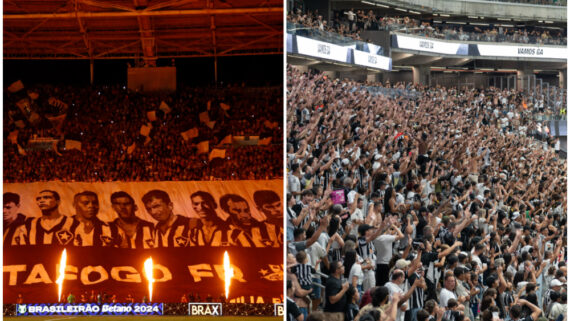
86, 141
426, 160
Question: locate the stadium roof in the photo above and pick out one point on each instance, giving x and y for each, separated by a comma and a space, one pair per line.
141, 29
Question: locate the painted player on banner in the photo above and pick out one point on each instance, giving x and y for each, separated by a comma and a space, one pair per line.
88, 230
50, 228
171, 230
136, 233
245, 230
209, 229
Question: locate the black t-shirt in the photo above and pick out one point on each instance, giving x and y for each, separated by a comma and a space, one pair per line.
427, 258
292, 310
333, 287
420, 228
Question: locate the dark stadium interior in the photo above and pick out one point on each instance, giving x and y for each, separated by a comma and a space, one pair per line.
124, 123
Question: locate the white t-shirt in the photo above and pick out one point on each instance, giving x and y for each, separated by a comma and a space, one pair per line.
323, 240
316, 252
294, 185
394, 288
350, 196
444, 296
476, 259
356, 215
399, 199
356, 270
556, 310
383, 245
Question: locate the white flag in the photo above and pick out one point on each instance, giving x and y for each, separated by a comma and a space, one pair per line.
16, 86
164, 107
145, 130
72, 144
190, 133
131, 148
217, 152
21, 151
203, 147
151, 115
227, 140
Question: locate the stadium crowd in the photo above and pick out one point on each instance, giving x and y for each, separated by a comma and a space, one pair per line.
436, 206
350, 23
107, 122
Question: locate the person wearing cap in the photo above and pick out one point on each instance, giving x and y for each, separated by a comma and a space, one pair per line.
555, 286
463, 289
365, 250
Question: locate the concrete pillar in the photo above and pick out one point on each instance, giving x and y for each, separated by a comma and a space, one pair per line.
421, 75
523, 78
372, 77
562, 74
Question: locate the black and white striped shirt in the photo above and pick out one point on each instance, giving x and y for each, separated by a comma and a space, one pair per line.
304, 273
364, 249
417, 298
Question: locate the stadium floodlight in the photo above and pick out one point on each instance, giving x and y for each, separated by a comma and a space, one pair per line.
400, 9
472, 17
444, 15
415, 12
366, 2
381, 5
548, 21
